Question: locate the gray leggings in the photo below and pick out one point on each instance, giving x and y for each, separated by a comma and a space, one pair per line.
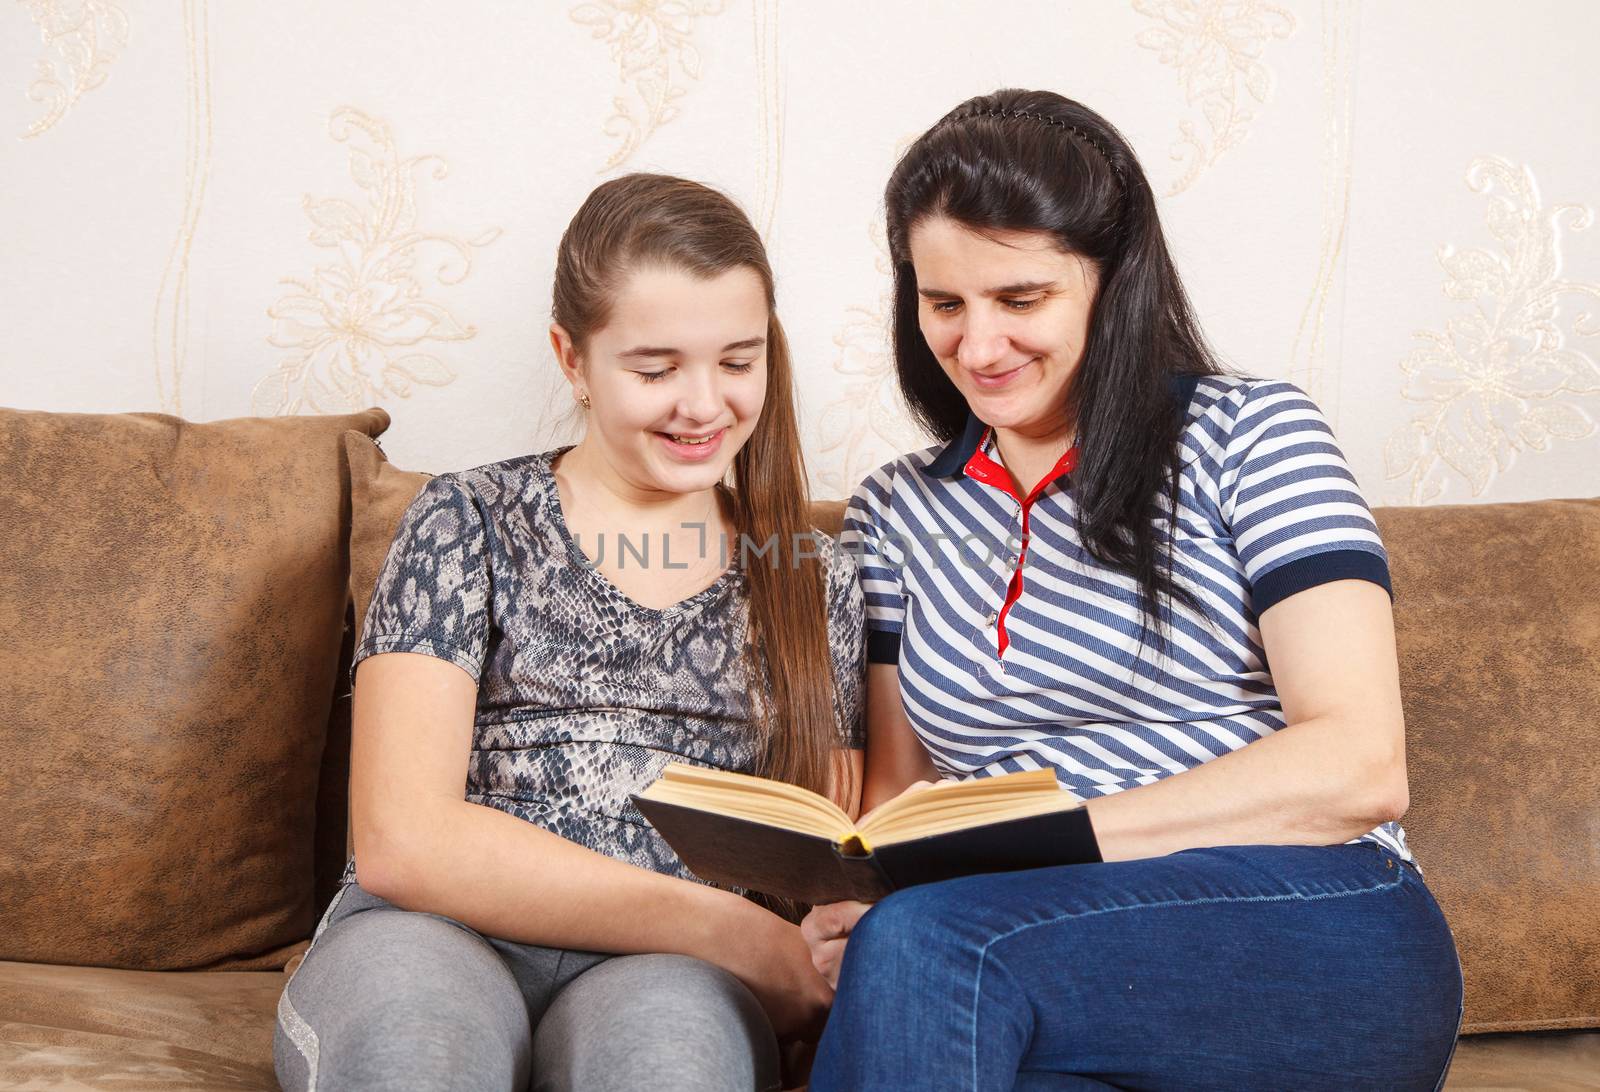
393, 999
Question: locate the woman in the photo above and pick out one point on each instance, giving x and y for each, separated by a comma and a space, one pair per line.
1092, 574
550, 631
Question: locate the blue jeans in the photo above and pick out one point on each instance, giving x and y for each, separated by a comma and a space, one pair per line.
1244, 967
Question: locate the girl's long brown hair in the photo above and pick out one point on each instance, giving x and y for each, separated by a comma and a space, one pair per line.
651, 219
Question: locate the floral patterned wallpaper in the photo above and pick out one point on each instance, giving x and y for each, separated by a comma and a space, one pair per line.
219, 210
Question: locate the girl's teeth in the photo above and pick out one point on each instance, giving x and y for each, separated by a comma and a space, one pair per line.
687, 440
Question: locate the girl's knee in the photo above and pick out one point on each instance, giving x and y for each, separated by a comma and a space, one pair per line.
404, 1041
294, 1054
396, 1000
637, 1021
677, 998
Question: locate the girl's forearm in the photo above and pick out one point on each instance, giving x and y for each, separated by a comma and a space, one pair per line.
507, 878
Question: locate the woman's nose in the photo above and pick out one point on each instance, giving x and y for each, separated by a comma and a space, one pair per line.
982, 343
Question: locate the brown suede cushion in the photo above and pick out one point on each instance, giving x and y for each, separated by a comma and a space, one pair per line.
380, 493
173, 603
828, 516
1497, 614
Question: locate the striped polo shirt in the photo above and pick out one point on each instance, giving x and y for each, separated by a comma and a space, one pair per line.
1017, 650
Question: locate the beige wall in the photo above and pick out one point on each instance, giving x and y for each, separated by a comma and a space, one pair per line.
223, 208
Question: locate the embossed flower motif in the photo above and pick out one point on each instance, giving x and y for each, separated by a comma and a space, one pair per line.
646, 38
1497, 381
346, 332
1205, 40
352, 322
1214, 45
868, 423
81, 43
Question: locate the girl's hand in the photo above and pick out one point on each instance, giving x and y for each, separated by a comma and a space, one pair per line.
769, 955
826, 930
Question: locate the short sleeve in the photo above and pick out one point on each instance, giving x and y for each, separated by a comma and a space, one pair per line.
847, 649
1297, 516
432, 594
867, 536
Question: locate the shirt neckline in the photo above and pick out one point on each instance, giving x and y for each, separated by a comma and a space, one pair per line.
544, 474
952, 461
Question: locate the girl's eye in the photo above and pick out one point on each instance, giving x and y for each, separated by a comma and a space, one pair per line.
1021, 305
651, 377
738, 367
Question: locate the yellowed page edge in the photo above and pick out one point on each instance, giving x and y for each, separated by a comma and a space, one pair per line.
1001, 786
758, 799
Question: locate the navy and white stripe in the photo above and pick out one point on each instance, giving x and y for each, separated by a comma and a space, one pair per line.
1267, 508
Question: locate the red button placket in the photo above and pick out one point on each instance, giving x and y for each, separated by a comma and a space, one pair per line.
984, 469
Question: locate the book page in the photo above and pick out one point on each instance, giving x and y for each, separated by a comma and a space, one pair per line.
757, 799
955, 805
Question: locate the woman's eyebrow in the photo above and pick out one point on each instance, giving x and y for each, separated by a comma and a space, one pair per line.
1017, 289
651, 352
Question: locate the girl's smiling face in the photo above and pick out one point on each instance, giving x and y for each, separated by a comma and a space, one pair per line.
1006, 314
677, 377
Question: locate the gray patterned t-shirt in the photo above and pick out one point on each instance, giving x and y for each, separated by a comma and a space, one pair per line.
583, 694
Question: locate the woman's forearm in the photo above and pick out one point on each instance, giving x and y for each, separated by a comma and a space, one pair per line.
1306, 784
506, 877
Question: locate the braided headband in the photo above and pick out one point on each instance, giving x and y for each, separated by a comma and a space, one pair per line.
1059, 124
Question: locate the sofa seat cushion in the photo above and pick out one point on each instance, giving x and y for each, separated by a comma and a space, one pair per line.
1555, 1061
92, 1027
89, 1028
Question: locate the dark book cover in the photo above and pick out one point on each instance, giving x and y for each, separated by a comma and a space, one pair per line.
811, 869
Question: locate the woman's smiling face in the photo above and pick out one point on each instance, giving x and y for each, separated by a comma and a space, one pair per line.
1006, 314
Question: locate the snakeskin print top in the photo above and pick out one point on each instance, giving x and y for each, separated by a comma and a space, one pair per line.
583, 694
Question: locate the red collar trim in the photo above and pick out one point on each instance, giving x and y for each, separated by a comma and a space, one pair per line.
980, 467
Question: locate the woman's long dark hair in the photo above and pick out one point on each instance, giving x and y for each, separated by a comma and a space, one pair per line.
1036, 161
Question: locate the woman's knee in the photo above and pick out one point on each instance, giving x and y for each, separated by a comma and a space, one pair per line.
913, 922
666, 1021
391, 999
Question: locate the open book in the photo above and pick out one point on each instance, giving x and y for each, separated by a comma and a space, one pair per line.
783, 840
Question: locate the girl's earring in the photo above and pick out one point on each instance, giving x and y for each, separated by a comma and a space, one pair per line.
583, 400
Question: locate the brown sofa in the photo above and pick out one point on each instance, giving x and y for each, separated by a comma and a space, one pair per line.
176, 609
